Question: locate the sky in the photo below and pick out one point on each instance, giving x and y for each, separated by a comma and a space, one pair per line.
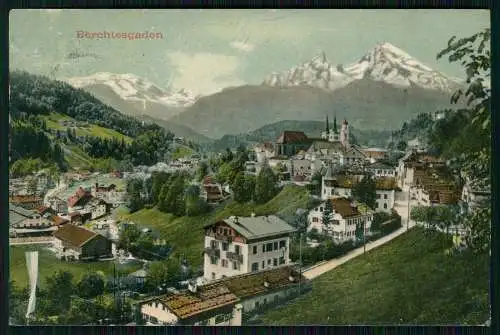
205, 51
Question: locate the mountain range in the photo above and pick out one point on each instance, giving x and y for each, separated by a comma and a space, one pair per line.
380, 91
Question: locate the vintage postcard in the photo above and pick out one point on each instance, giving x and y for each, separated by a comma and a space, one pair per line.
249, 167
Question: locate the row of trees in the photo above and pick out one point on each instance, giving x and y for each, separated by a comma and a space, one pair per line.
62, 301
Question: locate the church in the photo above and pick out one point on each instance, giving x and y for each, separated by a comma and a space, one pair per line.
334, 146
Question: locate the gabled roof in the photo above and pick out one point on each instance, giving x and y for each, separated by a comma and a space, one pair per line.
76, 236
344, 207
188, 304
252, 284
289, 136
257, 227
326, 145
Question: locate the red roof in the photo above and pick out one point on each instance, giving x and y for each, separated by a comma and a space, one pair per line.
344, 207
291, 137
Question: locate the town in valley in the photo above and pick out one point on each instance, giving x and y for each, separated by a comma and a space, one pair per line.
321, 193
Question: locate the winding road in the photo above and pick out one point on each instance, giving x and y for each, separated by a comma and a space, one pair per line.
401, 206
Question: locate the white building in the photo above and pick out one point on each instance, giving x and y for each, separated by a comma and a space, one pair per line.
342, 186
225, 302
345, 219
379, 169
235, 246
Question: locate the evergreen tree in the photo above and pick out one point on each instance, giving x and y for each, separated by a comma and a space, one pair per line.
327, 215
365, 191
266, 186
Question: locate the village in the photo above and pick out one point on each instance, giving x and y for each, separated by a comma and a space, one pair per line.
247, 264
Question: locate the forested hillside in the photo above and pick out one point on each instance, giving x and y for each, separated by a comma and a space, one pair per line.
90, 126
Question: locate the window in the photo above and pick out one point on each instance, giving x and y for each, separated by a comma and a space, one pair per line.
321, 209
263, 264
214, 244
224, 263
275, 245
314, 219
378, 196
332, 192
225, 246
237, 249
275, 262
385, 196
269, 247
254, 249
255, 266
385, 206
282, 244
282, 260
263, 248
236, 266
269, 261
213, 260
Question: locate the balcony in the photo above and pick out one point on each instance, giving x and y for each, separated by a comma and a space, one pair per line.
234, 256
212, 252
223, 238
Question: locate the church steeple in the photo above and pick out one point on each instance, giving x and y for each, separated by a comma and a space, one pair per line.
327, 126
335, 123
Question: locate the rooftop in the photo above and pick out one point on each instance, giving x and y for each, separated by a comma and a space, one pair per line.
77, 236
345, 207
257, 227
291, 137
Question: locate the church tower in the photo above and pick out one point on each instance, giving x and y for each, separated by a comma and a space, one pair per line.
344, 134
334, 133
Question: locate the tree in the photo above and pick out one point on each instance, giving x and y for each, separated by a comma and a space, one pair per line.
59, 288
91, 285
265, 185
158, 179
243, 188
316, 181
327, 215
365, 191
401, 146
129, 236
194, 204
134, 189
202, 170
226, 173
445, 217
174, 201
478, 227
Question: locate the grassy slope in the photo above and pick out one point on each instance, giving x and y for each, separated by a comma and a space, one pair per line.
48, 264
74, 155
93, 130
410, 280
181, 152
185, 234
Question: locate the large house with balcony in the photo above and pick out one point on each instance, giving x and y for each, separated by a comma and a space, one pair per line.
225, 302
346, 219
236, 246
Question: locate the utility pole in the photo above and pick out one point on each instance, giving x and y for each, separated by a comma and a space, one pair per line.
300, 262
364, 235
408, 218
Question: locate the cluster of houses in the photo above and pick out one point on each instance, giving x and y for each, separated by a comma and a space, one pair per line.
36, 184
246, 268
60, 222
297, 157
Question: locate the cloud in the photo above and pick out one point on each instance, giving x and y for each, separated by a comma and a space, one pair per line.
204, 73
242, 46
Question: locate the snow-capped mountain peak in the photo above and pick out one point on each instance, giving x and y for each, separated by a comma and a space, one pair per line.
384, 63
134, 88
